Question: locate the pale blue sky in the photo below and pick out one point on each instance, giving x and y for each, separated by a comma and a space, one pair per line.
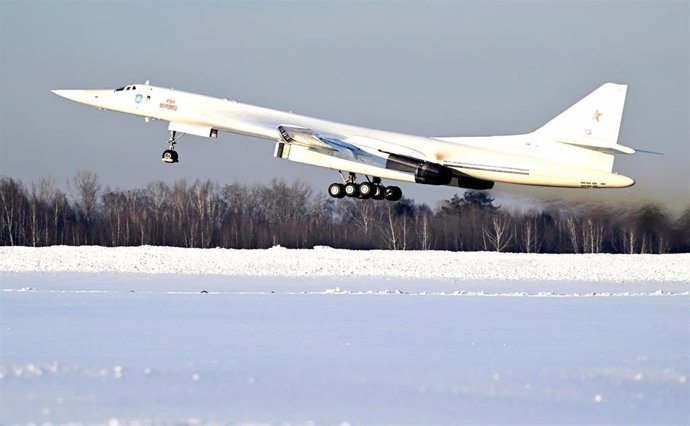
426, 68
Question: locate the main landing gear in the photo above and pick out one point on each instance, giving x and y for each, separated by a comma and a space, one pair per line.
170, 155
369, 189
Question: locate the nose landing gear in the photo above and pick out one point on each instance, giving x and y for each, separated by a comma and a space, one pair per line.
170, 155
370, 189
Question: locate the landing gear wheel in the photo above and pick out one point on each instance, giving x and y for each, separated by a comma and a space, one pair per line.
351, 189
366, 190
336, 190
393, 193
379, 192
169, 156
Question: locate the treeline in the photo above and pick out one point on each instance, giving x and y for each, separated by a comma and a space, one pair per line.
205, 214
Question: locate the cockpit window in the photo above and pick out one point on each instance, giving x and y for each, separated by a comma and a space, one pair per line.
130, 87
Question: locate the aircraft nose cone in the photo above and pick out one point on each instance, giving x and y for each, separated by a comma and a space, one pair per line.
88, 97
68, 94
75, 95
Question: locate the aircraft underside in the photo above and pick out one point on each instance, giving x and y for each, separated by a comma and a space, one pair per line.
372, 188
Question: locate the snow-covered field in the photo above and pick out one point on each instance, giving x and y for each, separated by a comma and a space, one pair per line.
161, 335
327, 262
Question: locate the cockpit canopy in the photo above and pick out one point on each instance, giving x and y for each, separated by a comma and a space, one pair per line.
130, 87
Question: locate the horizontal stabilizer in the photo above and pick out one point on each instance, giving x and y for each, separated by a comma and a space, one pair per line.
642, 151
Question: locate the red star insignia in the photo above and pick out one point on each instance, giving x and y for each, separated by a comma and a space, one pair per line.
596, 115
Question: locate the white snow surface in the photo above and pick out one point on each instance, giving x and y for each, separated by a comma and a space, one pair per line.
327, 262
150, 335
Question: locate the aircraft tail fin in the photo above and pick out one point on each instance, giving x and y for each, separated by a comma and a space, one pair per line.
593, 122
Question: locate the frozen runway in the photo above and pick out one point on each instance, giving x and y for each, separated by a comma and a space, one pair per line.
121, 347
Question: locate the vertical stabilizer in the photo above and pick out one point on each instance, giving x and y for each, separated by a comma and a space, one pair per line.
593, 122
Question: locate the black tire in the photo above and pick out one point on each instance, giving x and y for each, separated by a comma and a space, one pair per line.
351, 189
336, 190
169, 156
393, 193
379, 192
366, 190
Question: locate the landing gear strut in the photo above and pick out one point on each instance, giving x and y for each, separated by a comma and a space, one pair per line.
370, 189
170, 155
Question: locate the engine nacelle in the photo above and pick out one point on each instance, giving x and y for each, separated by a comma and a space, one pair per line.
433, 174
474, 183
424, 172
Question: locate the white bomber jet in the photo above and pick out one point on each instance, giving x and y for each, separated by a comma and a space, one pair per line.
574, 150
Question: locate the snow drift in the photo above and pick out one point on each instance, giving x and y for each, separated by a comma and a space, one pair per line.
327, 262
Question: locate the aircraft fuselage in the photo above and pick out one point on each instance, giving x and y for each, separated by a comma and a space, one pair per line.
535, 158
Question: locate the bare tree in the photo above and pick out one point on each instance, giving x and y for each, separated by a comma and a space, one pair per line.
47, 193
179, 201
363, 213
206, 209
390, 231
113, 212
423, 227
531, 241
592, 235
86, 187
60, 210
159, 194
497, 235
663, 245
630, 239
11, 194
571, 226
34, 207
